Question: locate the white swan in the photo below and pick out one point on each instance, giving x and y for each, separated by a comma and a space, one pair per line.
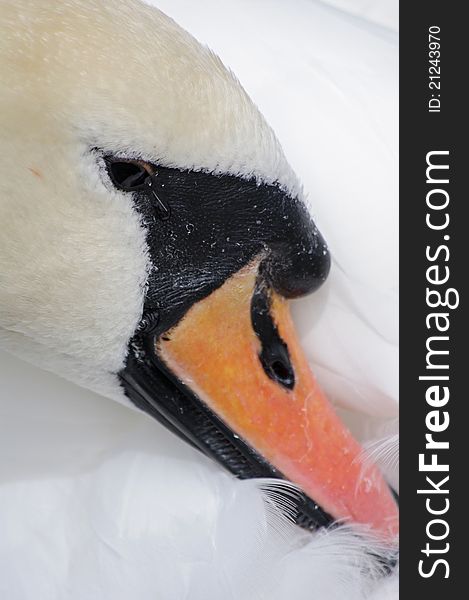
70, 318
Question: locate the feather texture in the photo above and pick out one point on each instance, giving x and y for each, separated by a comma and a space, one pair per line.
100, 502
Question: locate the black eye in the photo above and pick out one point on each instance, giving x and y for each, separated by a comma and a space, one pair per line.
127, 175
131, 175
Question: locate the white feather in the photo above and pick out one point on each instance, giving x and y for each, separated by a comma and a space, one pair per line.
100, 502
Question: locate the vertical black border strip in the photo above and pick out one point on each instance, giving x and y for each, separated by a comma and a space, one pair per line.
421, 132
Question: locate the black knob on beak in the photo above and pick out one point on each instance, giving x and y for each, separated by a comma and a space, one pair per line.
301, 271
300, 261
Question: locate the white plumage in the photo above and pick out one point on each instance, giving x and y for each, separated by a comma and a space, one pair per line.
100, 502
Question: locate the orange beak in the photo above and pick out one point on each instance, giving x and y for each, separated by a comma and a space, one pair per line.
215, 350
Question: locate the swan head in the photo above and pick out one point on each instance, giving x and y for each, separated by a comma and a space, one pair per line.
152, 234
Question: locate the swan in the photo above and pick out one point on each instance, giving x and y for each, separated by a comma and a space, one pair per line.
100, 206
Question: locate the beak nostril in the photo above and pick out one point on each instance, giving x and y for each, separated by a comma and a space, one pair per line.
280, 370
283, 373
274, 355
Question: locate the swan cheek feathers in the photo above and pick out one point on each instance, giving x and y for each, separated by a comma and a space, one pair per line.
74, 266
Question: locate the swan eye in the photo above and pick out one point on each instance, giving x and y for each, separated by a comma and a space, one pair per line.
128, 175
